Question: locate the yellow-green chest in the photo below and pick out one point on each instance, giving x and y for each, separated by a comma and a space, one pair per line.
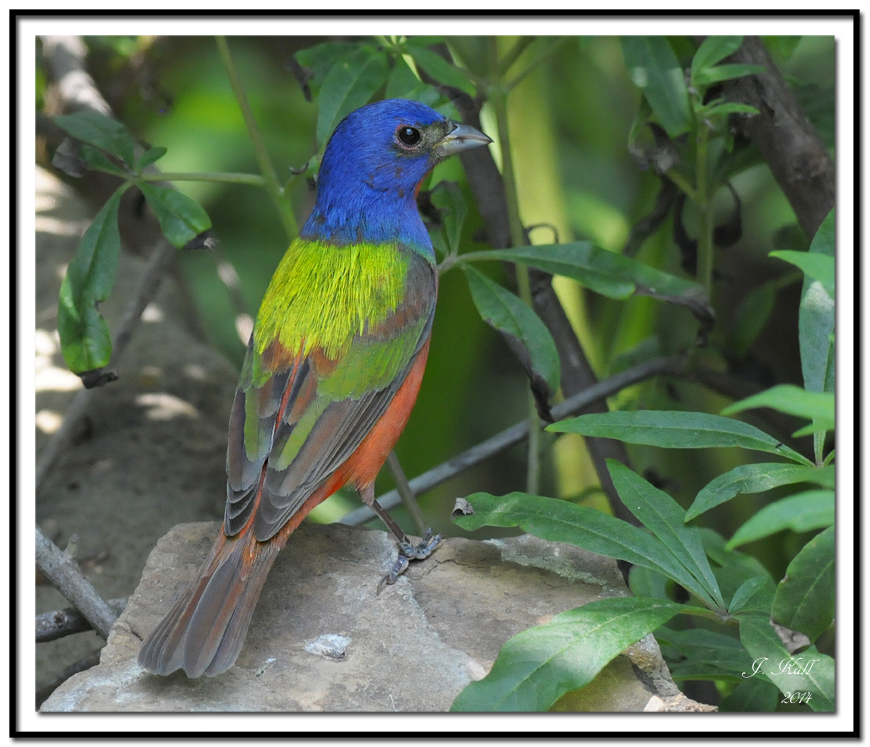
322, 295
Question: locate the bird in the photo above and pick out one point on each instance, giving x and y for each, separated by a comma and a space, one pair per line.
330, 375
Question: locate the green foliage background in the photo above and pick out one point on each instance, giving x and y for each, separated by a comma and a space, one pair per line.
570, 121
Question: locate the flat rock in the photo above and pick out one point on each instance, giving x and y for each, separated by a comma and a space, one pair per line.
322, 640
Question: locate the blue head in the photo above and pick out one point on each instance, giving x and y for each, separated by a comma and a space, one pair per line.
372, 168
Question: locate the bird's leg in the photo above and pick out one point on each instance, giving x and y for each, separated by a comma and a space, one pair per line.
407, 550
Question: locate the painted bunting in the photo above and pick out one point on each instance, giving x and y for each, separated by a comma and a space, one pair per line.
331, 372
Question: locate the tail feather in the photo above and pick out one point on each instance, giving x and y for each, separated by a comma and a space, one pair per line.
205, 629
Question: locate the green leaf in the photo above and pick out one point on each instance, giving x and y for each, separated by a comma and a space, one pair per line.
804, 599
662, 515
402, 80
181, 219
150, 156
733, 569
645, 582
812, 509
653, 67
814, 265
97, 160
675, 430
350, 84
703, 654
807, 671
754, 478
712, 50
320, 60
816, 319
440, 69
423, 41
717, 74
782, 45
751, 696
613, 275
84, 334
792, 400
101, 131
527, 335
536, 667
745, 592
715, 109
560, 521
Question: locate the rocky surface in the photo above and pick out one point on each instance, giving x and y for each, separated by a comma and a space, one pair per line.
322, 640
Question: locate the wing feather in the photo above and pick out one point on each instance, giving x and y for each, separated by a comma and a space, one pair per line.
300, 419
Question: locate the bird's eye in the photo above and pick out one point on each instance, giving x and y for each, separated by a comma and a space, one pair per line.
408, 136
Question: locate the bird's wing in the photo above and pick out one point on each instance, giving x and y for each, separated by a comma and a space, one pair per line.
295, 420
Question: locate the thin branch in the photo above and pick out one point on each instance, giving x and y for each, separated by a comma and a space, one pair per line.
66, 576
60, 623
791, 146
406, 493
516, 433
260, 152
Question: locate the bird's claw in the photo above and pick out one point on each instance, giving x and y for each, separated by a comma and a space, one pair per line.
407, 553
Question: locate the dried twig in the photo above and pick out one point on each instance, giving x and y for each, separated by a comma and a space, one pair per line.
60, 623
65, 575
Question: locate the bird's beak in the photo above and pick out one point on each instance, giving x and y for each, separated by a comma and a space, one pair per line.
462, 137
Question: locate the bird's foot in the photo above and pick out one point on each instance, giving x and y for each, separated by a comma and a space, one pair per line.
407, 553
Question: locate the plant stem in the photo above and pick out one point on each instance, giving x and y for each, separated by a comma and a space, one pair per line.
514, 54
254, 180
543, 55
683, 184
703, 202
268, 172
498, 96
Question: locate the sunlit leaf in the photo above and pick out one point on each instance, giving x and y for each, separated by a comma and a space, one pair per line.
536, 667
84, 334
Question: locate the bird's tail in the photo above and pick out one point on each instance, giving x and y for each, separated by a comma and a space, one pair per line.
205, 629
